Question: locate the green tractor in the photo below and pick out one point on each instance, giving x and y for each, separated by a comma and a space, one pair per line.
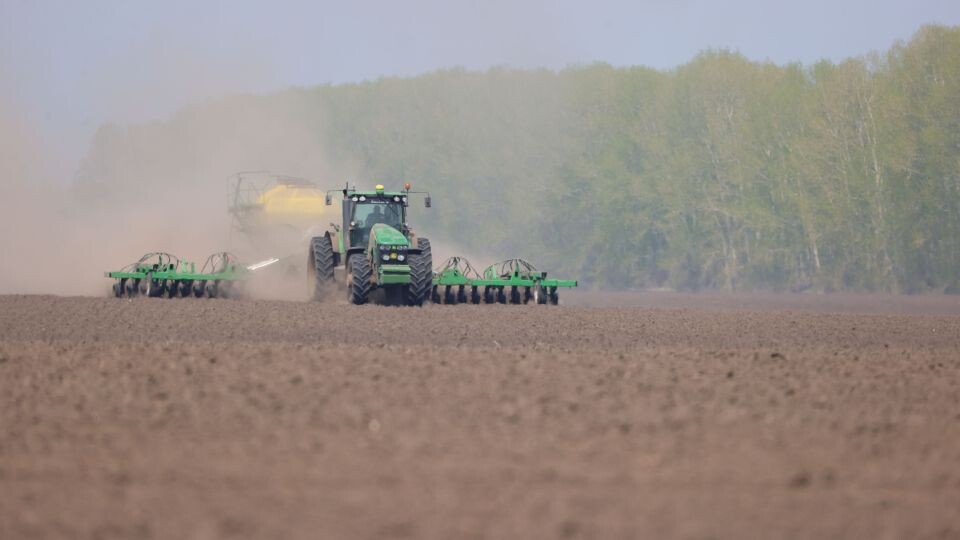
379, 253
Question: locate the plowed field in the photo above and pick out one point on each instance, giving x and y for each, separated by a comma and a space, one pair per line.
188, 419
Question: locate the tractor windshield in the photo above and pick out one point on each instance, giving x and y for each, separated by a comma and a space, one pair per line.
374, 211
368, 213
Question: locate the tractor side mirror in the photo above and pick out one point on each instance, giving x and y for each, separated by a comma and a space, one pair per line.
426, 201
328, 199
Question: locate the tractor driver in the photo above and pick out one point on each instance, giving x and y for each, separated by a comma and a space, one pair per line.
375, 217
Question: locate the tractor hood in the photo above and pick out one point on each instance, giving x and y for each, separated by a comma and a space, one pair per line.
383, 234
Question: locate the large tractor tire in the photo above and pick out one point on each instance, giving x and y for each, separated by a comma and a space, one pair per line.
421, 274
358, 279
321, 264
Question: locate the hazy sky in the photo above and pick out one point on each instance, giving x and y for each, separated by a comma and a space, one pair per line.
67, 67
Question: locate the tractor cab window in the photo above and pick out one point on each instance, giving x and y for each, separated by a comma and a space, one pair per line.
368, 213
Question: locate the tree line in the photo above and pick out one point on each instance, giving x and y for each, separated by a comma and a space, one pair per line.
722, 173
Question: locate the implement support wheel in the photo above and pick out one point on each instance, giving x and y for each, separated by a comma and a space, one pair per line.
554, 296
150, 287
538, 295
449, 295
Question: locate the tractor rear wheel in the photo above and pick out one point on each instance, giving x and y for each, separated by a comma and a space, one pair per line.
320, 264
421, 274
358, 279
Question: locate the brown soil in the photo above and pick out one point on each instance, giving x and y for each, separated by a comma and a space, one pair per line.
217, 418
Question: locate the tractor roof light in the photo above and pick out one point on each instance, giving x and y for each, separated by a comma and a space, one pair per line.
407, 186
380, 189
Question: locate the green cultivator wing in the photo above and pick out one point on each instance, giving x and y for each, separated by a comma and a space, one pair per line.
513, 281
161, 274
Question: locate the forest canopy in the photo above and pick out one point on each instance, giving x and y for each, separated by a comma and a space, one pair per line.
722, 173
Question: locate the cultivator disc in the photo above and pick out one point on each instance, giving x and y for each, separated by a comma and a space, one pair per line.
163, 275
512, 281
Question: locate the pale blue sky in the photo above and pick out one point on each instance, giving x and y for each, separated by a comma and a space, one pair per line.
67, 67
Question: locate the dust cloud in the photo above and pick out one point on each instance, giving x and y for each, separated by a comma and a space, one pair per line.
59, 236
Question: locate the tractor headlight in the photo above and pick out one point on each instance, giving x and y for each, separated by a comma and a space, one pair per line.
384, 248
385, 257
401, 257
393, 256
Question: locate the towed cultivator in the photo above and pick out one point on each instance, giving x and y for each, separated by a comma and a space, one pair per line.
164, 275
513, 281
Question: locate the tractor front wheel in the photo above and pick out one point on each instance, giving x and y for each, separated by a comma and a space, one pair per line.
358, 279
421, 275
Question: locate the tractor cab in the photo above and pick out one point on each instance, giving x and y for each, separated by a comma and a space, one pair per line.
363, 210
